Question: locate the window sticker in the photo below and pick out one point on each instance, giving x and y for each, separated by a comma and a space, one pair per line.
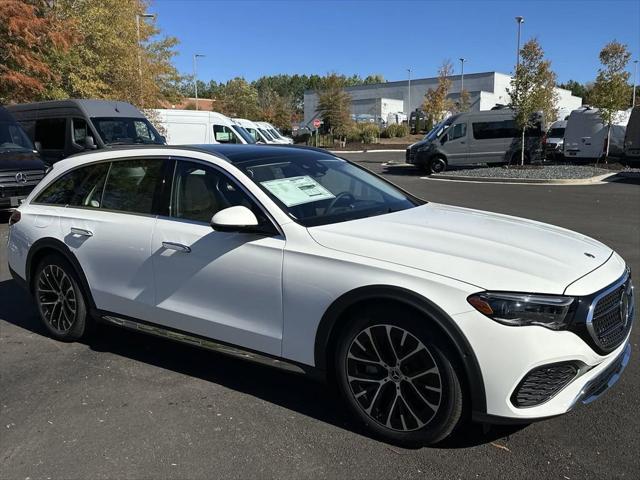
297, 190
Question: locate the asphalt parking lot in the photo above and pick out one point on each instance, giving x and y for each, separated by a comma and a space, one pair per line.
125, 405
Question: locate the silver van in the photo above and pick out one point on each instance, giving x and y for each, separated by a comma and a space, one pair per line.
490, 137
61, 128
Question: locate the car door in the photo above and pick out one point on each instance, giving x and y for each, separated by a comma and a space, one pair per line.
221, 285
108, 227
456, 146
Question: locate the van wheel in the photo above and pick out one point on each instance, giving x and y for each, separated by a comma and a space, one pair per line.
437, 165
60, 300
398, 377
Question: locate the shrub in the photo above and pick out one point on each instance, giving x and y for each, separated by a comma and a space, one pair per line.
395, 130
369, 132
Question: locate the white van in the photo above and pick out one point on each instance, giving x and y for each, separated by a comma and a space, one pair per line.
585, 135
259, 134
275, 133
184, 127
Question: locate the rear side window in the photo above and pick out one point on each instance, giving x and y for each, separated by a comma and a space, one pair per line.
50, 133
81, 187
497, 129
132, 185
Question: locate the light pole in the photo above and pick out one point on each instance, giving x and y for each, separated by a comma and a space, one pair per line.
409, 99
195, 75
462, 60
138, 17
635, 81
520, 21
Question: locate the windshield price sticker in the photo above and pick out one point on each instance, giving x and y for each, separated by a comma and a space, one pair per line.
297, 190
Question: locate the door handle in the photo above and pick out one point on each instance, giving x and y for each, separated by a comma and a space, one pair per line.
81, 231
178, 247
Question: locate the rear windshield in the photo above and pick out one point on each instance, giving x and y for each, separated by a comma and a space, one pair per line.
556, 133
126, 131
13, 138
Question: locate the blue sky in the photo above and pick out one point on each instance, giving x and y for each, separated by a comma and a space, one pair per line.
255, 38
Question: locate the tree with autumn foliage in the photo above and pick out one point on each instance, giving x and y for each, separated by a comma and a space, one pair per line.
437, 103
29, 37
334, 105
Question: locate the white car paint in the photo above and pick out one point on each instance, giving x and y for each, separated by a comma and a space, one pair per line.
275, 133
254, 129
269, 294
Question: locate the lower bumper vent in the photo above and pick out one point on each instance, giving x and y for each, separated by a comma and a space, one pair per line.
542, 383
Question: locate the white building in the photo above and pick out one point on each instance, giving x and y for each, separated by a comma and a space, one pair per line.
486, 90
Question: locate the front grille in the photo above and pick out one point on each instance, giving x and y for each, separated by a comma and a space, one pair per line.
542, 383
410, 156
11, 187
612, 317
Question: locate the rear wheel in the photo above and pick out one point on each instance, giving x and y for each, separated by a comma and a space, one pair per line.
398, 377
60, 299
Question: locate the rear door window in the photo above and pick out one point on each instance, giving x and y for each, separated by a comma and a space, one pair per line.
81, 187
132, 185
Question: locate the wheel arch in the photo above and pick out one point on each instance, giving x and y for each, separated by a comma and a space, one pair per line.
46, 246
334, 320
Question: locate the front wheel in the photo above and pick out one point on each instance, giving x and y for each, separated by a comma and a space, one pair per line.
60, 299
437, 165
398, 377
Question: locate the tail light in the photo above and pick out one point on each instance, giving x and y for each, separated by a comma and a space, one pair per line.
544, 140
15, 217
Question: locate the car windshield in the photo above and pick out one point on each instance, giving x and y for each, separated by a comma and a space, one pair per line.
436, 131
126, 131
556, 133
274, 133
319, 190
13, 138
266, 134
244, 134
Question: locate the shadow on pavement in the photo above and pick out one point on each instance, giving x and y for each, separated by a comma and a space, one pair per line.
4, 216
295, 392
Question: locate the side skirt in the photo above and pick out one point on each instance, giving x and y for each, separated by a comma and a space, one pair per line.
207, 344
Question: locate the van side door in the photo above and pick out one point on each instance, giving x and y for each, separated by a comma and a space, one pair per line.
455, 145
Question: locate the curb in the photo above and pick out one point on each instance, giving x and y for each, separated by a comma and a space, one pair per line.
524, 181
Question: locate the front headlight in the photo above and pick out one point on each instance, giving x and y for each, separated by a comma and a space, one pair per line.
519, 309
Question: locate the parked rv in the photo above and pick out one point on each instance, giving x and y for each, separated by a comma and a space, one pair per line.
275, 133
65, 127
553, 141
20, 166
632, 137
585, 135
259, 134
490, 137
183, 127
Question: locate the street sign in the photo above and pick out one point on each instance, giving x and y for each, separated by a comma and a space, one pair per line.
317, 123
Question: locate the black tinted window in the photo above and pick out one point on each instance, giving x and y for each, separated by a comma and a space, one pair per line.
199, 192
79, 131
556, 133
81, 187
132, 184
125, 131
50, 133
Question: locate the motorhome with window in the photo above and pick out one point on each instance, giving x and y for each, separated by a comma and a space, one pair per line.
586, 135
632, 137
20, 166
184, 127
65, 127
490, 137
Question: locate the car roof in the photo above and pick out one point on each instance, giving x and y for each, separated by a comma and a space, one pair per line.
91, 107
233, 153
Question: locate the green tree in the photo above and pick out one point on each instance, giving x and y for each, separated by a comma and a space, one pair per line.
532, 89
436, 103
611, 88
334, 105
237, 98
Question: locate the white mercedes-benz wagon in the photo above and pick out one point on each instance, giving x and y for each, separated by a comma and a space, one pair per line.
422, 314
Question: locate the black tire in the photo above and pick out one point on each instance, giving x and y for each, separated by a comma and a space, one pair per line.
437, 165
55, 280
399, 410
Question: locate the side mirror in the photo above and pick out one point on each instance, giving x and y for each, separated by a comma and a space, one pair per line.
163, 139
89, 143
38, 146
234, 219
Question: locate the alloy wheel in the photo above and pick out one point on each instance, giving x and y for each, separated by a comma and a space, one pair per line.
56, 298
394, 378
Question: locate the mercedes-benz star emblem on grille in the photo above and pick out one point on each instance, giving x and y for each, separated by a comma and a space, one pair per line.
21, 177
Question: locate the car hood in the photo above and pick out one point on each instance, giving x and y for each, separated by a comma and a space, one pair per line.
488, 250
16, 161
